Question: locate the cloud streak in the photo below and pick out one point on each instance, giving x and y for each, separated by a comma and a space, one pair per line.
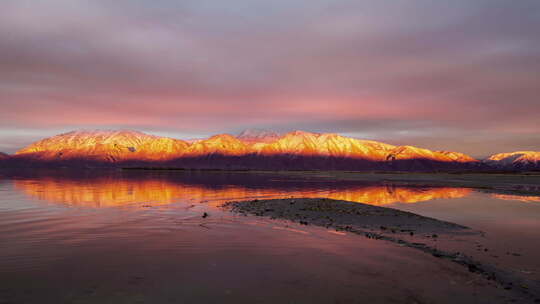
443, 74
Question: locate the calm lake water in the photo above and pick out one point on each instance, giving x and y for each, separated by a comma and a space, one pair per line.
139, 237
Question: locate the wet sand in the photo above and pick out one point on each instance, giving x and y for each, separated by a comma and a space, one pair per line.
406, 229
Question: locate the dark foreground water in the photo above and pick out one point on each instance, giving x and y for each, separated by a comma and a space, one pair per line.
139, 237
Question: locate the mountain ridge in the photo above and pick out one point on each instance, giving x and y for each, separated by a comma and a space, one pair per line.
249, 150
515, 160
258, 136
103, 146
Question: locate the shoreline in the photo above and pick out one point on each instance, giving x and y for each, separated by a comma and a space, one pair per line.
522, 183
387, 224
511, 182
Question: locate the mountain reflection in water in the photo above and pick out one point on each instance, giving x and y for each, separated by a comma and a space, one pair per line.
117, 189
90, 230
522, 198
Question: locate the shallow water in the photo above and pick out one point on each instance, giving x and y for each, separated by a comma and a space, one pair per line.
128, 237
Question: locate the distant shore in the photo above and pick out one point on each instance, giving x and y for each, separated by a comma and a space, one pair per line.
524, 183
500, 182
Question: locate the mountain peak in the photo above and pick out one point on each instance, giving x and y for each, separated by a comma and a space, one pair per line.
516, 155
302, 134
102, 132
223, 138
103, 145
224, 144
515, 160
252, 132
258, 136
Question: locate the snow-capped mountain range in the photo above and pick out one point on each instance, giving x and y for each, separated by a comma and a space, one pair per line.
253, 149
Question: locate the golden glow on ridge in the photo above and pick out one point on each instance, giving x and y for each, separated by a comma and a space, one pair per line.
113, 146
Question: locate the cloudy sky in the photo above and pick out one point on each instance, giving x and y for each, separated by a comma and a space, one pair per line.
458, 75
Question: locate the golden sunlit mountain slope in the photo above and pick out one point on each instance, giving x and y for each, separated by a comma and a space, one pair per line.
223, 144
519, 159
314, 144
109, 146
457, 156
409, 152
328, 144
122, 146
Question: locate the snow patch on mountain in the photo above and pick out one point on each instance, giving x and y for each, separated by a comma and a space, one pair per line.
523, 160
